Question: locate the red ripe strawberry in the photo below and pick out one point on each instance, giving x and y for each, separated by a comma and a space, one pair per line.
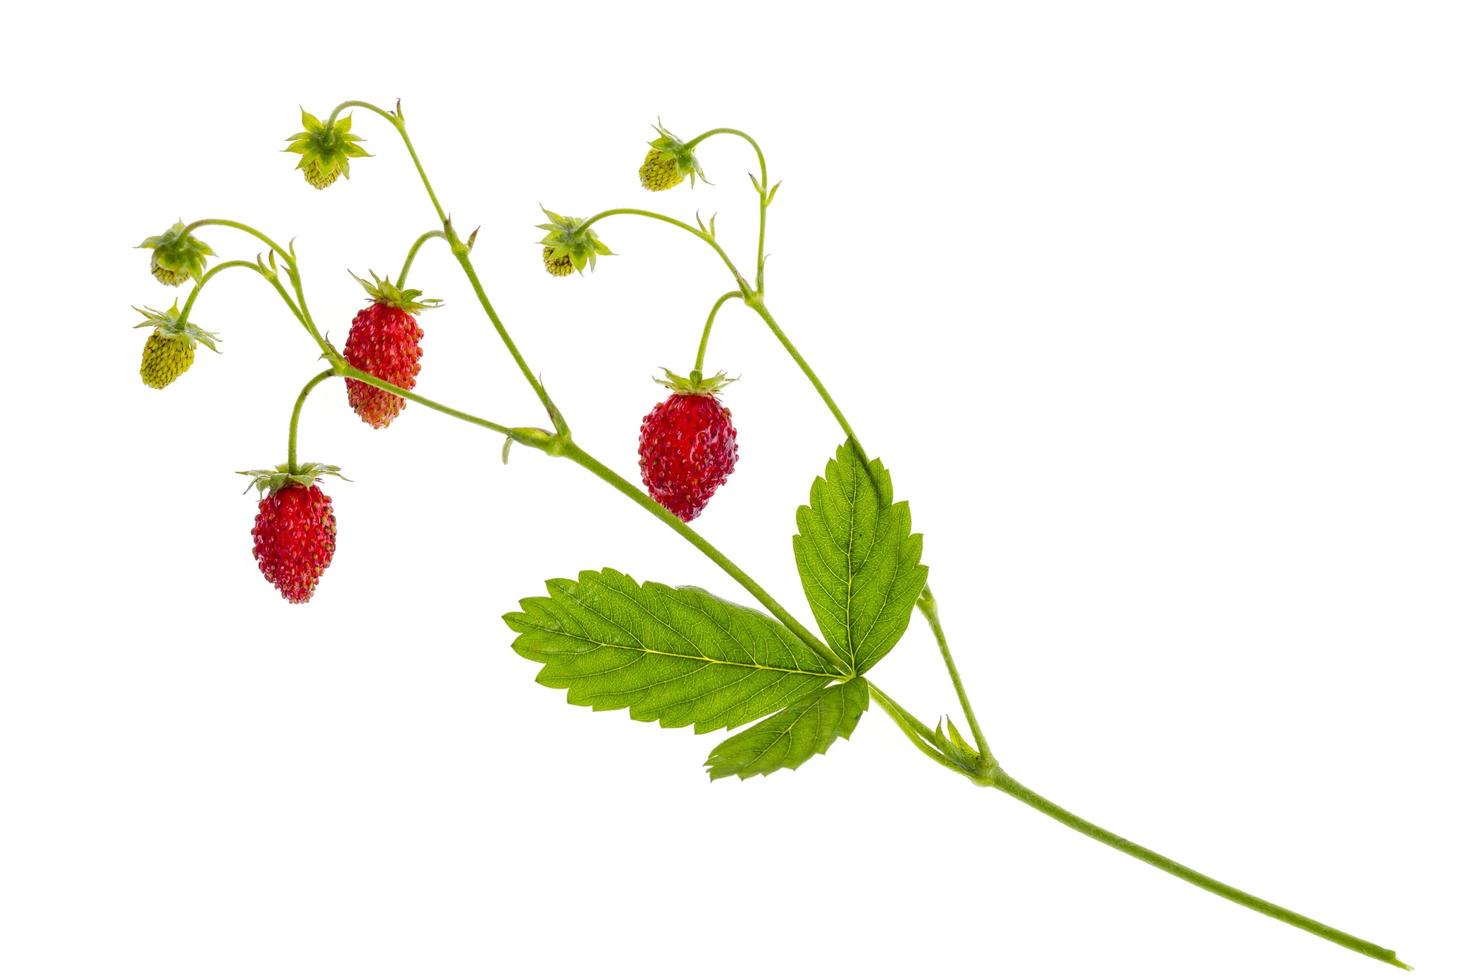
293, 536
384, 341
687, 447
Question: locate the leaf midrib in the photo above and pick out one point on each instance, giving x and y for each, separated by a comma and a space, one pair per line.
684, 656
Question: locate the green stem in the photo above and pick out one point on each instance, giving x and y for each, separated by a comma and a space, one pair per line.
1018, 791
239, 226
757, 304
708, 325
701, 235
411, 255
928, 608
765, 195
588, 462
345, 370
396, 120
210, 274
298, 410
914, 729
534, 382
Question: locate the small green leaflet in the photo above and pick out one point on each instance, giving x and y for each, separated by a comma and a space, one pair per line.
675, 656
859, 563
791, 737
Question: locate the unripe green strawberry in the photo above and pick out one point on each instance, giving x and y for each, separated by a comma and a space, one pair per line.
170, 349
569, 247
165, 359
669, 160
325, 150
558, 265
176, 256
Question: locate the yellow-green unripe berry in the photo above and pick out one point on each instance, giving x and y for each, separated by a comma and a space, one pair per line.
659, 171
165, 359
319, 178
558, 265
169, 277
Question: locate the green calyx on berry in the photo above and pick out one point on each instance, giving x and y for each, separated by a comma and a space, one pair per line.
324, 150
170, 349
568, 248
305, 474
694, 383
178, 256
668, 162
386, 293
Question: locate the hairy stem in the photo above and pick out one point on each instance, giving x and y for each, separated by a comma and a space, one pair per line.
313, 383
1018, 791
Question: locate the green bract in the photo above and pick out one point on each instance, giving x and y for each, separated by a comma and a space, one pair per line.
568, 247
387, 293
694, 383
669, 160
324, 150
177, 256
307, 474
171, 323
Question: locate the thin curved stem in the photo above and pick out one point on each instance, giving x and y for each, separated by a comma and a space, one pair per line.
588, 462
313, 383
764, 190
913, 728
239, 226
347, 371
702, 236
210, 274
1018, 791
928, 609
759, 306
411, 255
709, 325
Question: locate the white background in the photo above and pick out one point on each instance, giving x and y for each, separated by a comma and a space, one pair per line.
1162, 315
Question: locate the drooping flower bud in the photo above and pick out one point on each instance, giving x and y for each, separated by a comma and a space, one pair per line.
568, 247
324, 150
177, 256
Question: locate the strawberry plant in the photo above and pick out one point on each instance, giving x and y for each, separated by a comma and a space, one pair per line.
679, 656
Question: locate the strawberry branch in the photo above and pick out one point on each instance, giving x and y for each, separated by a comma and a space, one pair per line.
831, 681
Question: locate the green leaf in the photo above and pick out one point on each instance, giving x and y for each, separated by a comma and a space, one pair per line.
675, 656
792, 736
859, 563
